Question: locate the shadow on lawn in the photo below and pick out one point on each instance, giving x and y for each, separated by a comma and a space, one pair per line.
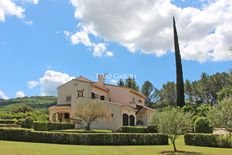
180, 153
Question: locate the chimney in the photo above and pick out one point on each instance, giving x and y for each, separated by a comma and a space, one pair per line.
101, 79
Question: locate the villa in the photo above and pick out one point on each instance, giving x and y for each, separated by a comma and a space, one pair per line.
126, 105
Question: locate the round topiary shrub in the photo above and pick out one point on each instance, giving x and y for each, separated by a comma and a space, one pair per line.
194, 118
203, 125
27, 122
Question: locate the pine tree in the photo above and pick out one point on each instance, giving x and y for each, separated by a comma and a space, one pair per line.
180, 101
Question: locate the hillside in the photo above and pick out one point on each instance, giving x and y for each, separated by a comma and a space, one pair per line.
19, 108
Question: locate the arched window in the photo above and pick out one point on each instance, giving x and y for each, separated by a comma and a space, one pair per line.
125, 120
132, 120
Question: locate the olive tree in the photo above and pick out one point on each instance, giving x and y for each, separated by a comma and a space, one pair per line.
91, 110
172, 121
221, 114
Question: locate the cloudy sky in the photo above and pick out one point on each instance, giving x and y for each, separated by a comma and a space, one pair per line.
46, 43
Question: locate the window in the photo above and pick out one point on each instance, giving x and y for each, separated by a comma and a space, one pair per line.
68, 98
102, 97
66, 116
132, 120
125, 121
140, 101
92, 95
80, 93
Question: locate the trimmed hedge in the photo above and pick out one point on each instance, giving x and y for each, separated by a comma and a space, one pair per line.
139, 129
7, 121
134, 129
47, 126
40, 126
85, 131
60, 126
210, 140
152, 129
84, 138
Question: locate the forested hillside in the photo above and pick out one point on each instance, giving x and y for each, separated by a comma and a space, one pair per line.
20, 108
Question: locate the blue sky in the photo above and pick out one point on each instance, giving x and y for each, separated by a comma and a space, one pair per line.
42, 44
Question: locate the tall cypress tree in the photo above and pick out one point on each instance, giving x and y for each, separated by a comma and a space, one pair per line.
180, 101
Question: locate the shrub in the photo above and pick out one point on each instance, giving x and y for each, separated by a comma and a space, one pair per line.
152, 129
59, 126
134, 129
83, 138
210, 140
28, 122
8, 121
19, 122
194, 118
47, 126
85, 131
203, 125
16, 134
40, 126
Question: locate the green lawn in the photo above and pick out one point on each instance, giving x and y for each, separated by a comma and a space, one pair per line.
24, 148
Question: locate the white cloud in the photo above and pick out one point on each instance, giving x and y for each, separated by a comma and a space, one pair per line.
82, 37
146, 26
49, 82
10, 8
28, 22
109, 53
33, 1
3, 95
32, 84
20, 94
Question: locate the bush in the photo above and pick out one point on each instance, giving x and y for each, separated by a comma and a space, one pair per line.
83, 138
85, 131
203, 125
60, 126
19, 122
8, 121
47, 126
194, 118
40, 126
152, 129
210, 140
28, 122
139, 129
134, 129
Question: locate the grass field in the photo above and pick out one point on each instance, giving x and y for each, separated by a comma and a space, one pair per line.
24, 148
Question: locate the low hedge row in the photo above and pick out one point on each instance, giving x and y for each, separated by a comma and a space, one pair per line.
48, 126
83, 138
210, 140
139, 129
7, 121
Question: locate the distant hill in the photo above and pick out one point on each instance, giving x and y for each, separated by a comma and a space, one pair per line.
34, 101
19, 108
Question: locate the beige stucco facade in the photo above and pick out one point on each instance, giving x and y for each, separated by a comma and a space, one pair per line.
126, 105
